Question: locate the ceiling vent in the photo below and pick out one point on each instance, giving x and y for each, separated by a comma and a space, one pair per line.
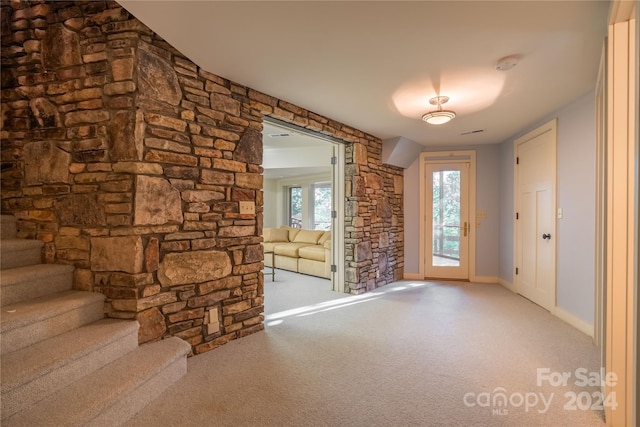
472, 131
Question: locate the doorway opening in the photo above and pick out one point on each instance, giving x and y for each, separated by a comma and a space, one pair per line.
303, 205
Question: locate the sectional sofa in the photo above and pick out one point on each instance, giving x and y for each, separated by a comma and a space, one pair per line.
299, 250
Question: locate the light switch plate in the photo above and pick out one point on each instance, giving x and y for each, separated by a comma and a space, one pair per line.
213, 315
247, 208
213, 328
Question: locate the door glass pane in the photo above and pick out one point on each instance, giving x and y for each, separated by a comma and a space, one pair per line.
446, 218
322, 207
295, 207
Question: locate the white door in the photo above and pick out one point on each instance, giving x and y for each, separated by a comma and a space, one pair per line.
536, 215
447, 219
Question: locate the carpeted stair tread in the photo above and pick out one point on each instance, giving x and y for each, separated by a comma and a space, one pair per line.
20, 252
8, 226
33, 281
28, 322
34, 372
38, 359
114, 393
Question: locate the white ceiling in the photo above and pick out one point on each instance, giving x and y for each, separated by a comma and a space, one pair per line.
299, 158
374, 65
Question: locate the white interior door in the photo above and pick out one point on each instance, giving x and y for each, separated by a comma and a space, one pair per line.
536, 216
447, 220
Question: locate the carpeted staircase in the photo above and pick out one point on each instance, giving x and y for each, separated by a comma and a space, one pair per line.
62, 362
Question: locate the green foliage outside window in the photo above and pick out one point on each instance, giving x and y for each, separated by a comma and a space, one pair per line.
295, 207
446, 213
322, 207
320, 211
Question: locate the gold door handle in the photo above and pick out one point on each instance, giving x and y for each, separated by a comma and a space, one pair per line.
465, 228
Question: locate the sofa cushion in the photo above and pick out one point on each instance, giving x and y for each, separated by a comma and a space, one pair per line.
326, 236
312, 252
314, 268
278, 235
268, 246
308, 236
292, 231
288, 249
286, 263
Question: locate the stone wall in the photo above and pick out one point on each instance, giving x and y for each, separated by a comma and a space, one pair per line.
129, 162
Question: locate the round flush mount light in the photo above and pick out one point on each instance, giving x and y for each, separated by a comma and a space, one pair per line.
507, 63
439, 116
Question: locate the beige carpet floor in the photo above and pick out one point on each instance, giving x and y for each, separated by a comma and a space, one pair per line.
408, 354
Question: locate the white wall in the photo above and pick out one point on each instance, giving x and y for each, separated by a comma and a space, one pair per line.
270, 211
274, 200
298, 157
576, 196
487, 199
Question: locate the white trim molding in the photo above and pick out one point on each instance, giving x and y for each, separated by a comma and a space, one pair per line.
508, 285
621, 321
449, 156
576, 322
485, 279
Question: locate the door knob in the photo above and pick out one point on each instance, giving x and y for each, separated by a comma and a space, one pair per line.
546, 236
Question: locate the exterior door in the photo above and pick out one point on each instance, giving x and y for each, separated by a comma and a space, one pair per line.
448, 228
536, 215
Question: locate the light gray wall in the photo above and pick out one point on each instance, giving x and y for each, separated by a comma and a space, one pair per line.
576, 196
487, 199
412, 218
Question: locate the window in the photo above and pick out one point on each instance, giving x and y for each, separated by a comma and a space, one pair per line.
308, 205
446, 216
321, 219
295, 207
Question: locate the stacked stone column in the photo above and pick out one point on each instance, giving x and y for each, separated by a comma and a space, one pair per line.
129, 162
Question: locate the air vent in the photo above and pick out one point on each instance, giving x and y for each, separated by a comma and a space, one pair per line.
279, 135
472, 131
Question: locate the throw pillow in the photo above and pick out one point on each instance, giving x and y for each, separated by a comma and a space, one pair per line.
279, 235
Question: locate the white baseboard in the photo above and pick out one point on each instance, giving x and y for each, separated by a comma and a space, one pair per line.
477, 279
574, 321
508, 285
485, 279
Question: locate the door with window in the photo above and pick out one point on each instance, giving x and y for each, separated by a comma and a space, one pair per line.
448, 227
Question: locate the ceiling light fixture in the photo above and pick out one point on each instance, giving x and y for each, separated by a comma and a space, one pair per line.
439, 116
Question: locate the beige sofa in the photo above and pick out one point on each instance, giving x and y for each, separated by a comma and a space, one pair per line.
299, 250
